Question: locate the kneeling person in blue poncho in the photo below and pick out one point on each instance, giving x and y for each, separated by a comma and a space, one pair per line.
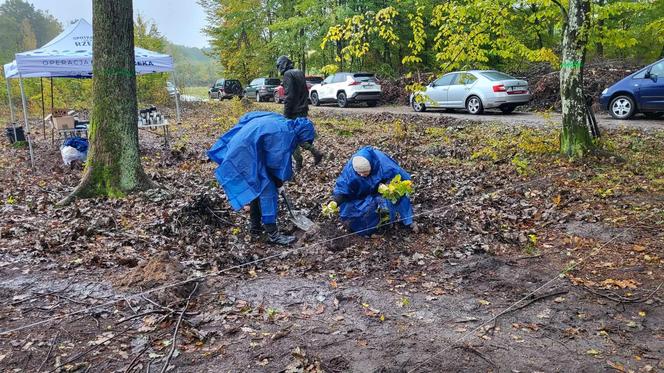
357, 192
254, 160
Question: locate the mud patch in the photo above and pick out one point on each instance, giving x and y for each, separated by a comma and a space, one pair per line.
156, 272
596, 231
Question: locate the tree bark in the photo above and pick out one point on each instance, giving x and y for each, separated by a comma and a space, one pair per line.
113, 165
575, 140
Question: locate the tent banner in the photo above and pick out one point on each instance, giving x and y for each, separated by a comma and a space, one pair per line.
70, 55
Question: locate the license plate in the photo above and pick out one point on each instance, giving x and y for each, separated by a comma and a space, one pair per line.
518, 90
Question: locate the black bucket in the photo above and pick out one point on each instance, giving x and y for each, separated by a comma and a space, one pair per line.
20, 135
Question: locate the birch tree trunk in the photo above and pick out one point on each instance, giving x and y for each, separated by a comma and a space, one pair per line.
575, 140
113, 165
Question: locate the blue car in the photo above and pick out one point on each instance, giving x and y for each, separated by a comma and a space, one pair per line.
641, 92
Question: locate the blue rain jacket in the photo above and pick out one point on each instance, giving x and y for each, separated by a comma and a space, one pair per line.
256, 152
362, 200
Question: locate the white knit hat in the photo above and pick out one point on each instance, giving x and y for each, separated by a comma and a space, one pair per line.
361, 165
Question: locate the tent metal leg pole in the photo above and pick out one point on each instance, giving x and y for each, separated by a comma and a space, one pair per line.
52, 134
9, 97
11, 109
177, 99
41, 83
25, 118
51, 95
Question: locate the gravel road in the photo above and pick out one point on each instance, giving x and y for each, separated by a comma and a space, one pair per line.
518, 118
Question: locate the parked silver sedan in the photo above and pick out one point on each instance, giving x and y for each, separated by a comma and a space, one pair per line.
474, 90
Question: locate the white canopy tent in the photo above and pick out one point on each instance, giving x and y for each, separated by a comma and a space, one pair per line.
69, 55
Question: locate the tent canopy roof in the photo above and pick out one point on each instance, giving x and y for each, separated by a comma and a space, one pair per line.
70, 55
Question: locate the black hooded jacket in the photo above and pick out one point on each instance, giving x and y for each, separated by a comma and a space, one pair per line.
296, 102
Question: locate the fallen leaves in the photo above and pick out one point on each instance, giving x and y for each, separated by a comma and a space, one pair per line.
104, 338
621, 284
617, 366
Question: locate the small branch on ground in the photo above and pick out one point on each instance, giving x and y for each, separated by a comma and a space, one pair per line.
620, 299
177, 327
87, 351
541, 297
125, 319
474, 351
135, 359
48, 355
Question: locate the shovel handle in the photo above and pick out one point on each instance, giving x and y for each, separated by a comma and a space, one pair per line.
288, 204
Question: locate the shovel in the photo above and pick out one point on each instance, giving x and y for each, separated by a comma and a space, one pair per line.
298, 218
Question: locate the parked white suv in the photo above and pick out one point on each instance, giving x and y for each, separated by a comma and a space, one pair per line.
344, 88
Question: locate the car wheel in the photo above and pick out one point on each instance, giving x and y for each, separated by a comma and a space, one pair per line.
258, 97
372, 103
474, 105
622, 107
342, 100
314, 98
507, 109
418, 106
653, 115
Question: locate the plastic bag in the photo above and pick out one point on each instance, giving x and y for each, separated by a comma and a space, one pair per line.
70, 154
78, 143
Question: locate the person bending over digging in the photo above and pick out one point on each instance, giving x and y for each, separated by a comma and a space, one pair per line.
254, 160
373, 190
296, 104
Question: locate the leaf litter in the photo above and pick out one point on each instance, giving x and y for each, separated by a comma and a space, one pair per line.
468, 261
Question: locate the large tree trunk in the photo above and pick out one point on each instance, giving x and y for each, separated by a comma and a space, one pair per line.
575, 138
114, 165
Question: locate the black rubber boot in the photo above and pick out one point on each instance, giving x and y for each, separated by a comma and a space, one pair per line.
274, 237
255, 227
318, 156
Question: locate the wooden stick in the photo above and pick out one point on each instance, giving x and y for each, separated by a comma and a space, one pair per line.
87, 351
55, 339
177, 327
133, 362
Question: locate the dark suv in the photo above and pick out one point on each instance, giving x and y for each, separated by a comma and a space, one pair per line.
225, 88
262, 88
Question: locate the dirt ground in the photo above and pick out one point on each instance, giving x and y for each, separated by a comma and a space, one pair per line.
525, 262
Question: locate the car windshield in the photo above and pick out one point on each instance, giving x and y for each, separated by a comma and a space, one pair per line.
364, 78
495, 75
272, 81
314, 79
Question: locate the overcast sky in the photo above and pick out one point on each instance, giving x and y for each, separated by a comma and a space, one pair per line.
180, 21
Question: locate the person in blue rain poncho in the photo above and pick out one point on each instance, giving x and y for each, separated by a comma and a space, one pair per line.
254, 160
356, 192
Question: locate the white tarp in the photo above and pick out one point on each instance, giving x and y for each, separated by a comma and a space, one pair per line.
70, 55
10, 70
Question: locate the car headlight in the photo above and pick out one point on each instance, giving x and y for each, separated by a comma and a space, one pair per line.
605, 90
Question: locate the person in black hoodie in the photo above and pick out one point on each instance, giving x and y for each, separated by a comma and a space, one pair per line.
296, 103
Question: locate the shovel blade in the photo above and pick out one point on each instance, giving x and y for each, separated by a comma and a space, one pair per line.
302, 222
